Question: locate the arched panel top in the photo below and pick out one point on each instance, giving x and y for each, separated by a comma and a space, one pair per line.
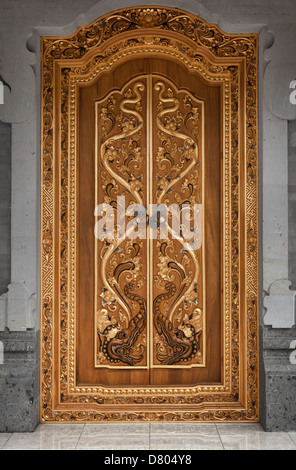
140, 20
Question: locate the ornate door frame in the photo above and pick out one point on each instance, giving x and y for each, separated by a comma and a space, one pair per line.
232, 61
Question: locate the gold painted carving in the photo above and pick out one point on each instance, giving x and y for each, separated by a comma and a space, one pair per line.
216, 56
121, 319
178, 314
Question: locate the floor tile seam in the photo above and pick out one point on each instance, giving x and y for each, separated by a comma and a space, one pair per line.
78, 440
291, 439
220, 437
290, 432
2, 448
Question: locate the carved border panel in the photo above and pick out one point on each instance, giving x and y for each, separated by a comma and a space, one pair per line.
231, 60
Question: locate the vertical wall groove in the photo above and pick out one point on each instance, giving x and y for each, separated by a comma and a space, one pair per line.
292, 202
5, 206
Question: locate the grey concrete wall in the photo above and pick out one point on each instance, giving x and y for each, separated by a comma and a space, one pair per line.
5, 206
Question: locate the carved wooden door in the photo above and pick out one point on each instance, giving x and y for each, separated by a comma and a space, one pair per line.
156, 134
149, 277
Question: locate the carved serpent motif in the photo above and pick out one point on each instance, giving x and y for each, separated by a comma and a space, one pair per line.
129, 127
178, 347
188, 142
120, 348
169, 120
117, 343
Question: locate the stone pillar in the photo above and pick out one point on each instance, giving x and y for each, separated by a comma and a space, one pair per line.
278, 372
19, 382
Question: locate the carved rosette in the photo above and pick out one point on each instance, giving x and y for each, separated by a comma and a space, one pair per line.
200, 46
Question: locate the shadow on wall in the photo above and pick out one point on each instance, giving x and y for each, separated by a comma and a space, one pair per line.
292, 203
5, 206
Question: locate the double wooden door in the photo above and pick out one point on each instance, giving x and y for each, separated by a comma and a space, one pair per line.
149, 298
149, 221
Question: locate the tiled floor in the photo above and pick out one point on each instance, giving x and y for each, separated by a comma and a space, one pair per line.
154, 436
